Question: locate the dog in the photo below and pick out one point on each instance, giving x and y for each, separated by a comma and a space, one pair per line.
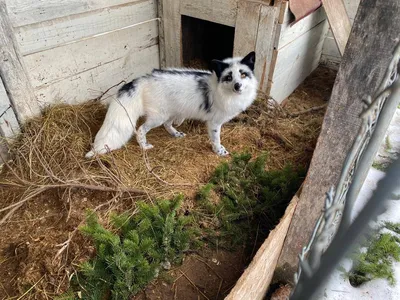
169, 96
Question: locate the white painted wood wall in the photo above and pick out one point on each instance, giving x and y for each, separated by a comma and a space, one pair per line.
298, 49
330, 52
74, 50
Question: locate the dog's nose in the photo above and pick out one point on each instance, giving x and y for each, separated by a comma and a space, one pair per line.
237, 86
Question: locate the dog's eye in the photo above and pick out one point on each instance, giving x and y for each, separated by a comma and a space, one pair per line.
229, 78
244, 75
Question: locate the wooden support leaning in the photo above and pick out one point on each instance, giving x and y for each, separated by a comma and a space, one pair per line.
12, 71
376, 23
339, 22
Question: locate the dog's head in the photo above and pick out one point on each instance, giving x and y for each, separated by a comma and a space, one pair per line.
236, 74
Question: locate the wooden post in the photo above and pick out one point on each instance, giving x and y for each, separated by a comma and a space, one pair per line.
372, 40
161, 40
13, 72
339, 22
172, 32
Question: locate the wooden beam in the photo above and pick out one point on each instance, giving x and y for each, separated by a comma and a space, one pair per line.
161, 39
171, 19
339, 22
254, 282
372, 41
9, 125
248, 16
13, 72
265, 43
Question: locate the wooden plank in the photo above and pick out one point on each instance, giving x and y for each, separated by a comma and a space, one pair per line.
361, 71
296, 60
12, 71
24, 12
221, 12
60, 63
339, 22
49, 34
246, 28
93, 82
254, 282
265, 43
8, 121
161, 39
171, 19
289, 32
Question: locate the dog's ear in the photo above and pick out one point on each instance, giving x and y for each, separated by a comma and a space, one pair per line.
249, 60
218, 67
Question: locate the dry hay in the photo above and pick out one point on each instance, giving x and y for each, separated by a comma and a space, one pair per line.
48, 185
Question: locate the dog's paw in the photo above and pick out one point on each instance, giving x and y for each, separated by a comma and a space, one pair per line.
221, 151
179, 134
147, 146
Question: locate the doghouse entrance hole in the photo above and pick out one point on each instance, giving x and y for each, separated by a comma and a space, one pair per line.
203, 41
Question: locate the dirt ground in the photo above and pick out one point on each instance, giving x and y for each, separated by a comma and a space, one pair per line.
32, 265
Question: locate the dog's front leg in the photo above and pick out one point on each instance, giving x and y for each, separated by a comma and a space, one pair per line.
214, 132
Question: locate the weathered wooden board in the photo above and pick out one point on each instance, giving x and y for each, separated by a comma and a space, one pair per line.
92, 83
330, 53
264, 45
49, 34
161, 39
287, 32
171, 19
12, 71
222, 11
376, 27
248, 16
254, 282
24, 12
8, 121
93, 52
295, 61
339, 22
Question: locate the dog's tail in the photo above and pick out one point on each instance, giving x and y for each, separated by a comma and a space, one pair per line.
120, 122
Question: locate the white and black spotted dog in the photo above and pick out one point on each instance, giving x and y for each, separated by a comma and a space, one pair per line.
169, 96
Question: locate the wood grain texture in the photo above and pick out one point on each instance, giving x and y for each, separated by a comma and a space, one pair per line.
265, 41
172, 24
60, 75
24, 12
289, 32
376, 26
248, 17
9, 126
60, 63
254, 282
221, 11
295, 61
161, 39
339, 22
12, 71
92, 83
49, 34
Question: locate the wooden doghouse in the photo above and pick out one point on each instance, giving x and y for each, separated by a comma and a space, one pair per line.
203, 29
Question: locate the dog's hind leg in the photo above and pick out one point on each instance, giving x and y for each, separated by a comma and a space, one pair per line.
144, 129
171, 130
